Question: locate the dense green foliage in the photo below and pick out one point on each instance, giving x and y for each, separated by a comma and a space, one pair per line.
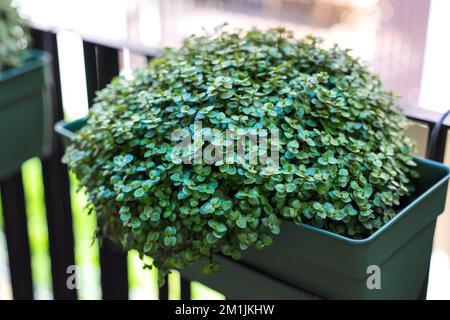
344, 159
13, 35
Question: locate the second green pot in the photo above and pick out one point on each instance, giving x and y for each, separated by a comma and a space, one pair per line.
25, 111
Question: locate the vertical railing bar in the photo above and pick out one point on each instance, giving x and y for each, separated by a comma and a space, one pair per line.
57, 186
114, 272
102, 64
90, 62
164, 291
16, 231
107, 65
439, 144
185, 286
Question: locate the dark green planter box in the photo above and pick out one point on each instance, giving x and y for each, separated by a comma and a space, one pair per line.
25, 111
67, 129
335, 267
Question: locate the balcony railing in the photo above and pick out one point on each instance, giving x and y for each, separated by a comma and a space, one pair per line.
101, 65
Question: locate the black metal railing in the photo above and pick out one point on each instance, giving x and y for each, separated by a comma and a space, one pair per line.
101, 65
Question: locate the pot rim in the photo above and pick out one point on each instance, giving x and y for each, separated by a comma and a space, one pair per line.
34, 59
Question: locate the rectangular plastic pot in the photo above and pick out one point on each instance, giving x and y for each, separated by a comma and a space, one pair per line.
25, 111
336, 267
67, 129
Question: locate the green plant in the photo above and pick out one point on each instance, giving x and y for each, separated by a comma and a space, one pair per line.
14, 36
345, 161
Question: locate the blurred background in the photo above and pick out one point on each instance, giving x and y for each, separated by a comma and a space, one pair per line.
401, 40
